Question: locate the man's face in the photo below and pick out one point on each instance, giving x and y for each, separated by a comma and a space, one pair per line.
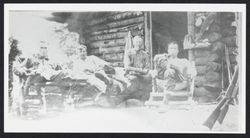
137, 43
173, 49
43, 52
82, 53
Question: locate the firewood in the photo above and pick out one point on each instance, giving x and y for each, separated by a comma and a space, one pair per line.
207, 22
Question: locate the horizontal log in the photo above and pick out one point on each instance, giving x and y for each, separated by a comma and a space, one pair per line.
214, 27
118, 64
108, 50
218, 47
229, 31
212, 37
227, 16
233, 59
109, 36
233, 50
203, 92
204, 60
230, 41
107, 43
212, 76
120, 29
213, 66
210, 66
98, 20
202, 52
114, 57
200, 80
119, 16
214, 84
201, 70
203, 81
118, 24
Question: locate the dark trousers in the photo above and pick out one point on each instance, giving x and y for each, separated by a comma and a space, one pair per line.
140, 88
33, 79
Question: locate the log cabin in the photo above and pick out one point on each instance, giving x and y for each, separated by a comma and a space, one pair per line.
105, 34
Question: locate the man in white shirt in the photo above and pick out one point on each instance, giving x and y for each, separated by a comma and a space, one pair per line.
90, 68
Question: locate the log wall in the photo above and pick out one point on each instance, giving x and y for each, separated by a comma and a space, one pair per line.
107, 36
209, 60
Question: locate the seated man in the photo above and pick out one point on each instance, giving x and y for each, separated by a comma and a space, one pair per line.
173, 70
85, 67
93, 70
32, 70
138, 71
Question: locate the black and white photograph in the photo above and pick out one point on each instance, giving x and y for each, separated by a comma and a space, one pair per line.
133, 68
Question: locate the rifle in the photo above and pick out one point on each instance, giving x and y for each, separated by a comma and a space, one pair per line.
225, 107
222, 104
228, 64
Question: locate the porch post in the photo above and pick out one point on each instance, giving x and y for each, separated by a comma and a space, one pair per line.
148, 36
190, 26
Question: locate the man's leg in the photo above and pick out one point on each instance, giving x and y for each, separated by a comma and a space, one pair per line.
180, 86
145, 84
31, 80
100, 85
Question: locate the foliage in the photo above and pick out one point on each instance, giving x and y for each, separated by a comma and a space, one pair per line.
68, 41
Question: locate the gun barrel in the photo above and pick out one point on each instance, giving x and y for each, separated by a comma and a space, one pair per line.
217, 111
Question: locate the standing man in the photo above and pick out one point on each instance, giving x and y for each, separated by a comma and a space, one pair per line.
137, 71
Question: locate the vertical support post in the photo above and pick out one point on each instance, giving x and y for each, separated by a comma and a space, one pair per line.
191, 21
238, 19
151, 43
148, 36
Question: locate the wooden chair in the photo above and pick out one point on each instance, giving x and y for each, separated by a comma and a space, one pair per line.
160, 97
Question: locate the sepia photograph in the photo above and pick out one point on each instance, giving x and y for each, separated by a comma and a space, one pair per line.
134, 68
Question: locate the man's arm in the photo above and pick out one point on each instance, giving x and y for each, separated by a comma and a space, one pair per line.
20, 68
147, 61
127, 60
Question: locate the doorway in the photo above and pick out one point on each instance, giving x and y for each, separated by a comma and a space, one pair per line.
166, 27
